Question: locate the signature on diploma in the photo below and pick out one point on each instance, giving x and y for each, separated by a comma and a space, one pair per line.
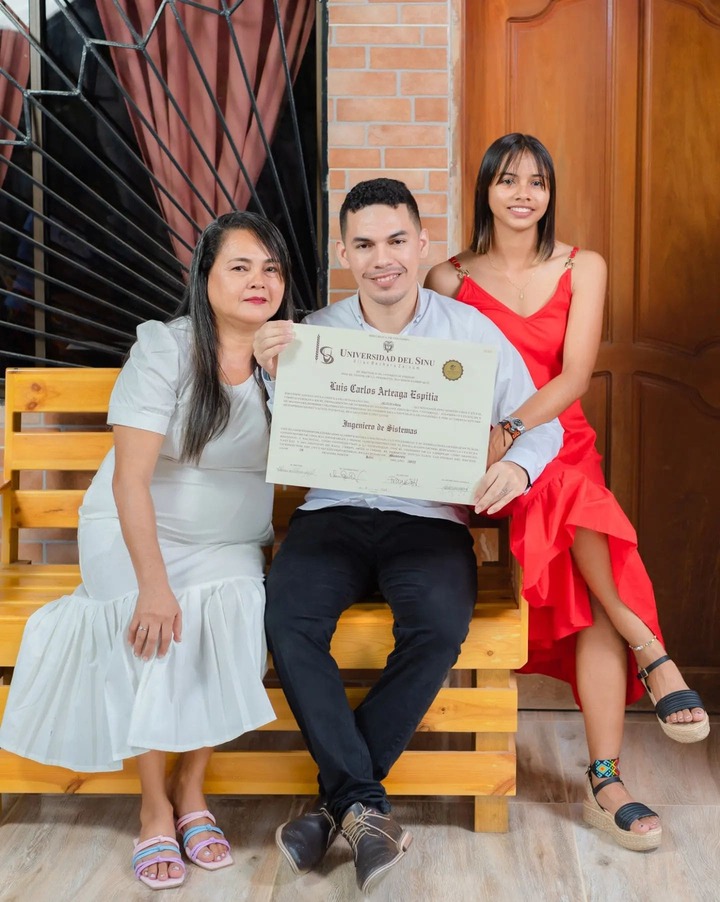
296, 470
347, 474
403, 480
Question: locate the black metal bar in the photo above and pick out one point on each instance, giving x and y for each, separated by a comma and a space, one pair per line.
77, 292
101, 200
75, 317
48, 220
76, 91
82, 268
94, 345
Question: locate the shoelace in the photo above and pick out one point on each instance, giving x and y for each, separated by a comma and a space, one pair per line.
360, 827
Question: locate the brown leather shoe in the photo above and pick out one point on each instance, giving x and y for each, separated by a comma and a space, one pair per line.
305, 840
377, 842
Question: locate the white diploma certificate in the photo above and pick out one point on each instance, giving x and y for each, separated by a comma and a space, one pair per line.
382, 414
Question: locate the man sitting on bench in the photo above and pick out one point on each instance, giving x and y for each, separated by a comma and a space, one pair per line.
341, 546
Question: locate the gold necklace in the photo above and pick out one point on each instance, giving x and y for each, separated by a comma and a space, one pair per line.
519, 288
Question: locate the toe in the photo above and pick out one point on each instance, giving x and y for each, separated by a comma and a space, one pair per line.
175, 870
162, 872
150, 872
698, 714
645, 824
207, 854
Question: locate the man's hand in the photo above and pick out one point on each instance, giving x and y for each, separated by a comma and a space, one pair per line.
499, 443
269, 341
501, 483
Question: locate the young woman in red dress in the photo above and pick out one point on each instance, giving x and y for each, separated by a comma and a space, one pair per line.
589, 594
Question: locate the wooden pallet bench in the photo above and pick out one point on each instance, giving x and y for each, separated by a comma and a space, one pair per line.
467, 747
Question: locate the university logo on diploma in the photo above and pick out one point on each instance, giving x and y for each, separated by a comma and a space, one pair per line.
382, 414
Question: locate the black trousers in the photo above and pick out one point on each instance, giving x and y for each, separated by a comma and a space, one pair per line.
426, 570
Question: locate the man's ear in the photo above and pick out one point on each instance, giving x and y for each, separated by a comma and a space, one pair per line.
424, 243
341, 253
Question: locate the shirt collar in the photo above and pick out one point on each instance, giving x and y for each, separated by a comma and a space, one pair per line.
421, 308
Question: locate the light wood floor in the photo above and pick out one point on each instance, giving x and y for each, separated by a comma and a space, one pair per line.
73, 849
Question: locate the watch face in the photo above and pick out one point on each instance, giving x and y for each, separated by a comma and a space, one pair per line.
517, 424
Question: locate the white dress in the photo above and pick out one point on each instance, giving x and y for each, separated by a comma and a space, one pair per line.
79, 697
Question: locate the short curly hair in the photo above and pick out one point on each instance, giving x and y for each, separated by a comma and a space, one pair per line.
388, 192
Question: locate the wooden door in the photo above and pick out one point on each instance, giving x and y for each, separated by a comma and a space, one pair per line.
626, 95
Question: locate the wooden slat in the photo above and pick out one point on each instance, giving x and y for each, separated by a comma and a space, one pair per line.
453, 711
55, 390
59, 450
47, 508
285, 773
363, 639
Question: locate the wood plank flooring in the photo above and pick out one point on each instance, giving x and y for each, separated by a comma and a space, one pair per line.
73, 849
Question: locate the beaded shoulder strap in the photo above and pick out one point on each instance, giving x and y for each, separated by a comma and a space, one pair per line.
461, 271
570, 262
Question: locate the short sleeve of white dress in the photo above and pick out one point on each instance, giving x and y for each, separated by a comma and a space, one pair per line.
146, 391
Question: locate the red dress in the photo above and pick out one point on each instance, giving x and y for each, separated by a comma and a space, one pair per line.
570, 492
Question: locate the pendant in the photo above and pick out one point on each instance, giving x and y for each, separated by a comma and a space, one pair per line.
522, 295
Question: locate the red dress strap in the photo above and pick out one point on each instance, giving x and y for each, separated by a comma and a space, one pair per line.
570, 262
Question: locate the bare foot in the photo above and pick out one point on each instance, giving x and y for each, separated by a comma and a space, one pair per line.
158, 821
614, 796
187, 796
665, 679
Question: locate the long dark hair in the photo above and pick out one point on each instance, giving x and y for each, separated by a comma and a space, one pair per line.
209, 407
501, 154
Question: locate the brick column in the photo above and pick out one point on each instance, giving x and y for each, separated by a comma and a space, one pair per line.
391, 105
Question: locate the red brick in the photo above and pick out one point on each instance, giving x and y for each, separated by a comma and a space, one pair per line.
57, 479
432, 204
415, 179
431, 109
436, 226
362, 83
346, 135
438, 181
342, 278
435, 36
373, 109
408, 58
362, 14
425, 83
424, 13
337, 180
344, 35
420, 136
61, 553
416, 157
357, 158
347, 58
32, 552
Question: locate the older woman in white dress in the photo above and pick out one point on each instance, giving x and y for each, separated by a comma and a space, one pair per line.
162, 648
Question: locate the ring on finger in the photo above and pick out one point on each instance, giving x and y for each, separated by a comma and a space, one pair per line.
142, 628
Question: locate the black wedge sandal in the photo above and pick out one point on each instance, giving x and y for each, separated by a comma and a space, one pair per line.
673, 702
618, 826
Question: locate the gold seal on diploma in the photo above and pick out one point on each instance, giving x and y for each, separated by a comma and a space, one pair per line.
452, 370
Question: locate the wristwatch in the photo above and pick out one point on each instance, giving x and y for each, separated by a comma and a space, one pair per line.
513, 426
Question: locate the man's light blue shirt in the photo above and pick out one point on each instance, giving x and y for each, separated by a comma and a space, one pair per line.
437, 316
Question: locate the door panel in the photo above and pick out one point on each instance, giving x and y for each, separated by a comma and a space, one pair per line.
626, 97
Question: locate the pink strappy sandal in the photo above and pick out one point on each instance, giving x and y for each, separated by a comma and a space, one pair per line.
157, 848
193, 851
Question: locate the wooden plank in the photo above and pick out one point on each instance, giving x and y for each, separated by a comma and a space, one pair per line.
363, 639
47, 508
453, 711
56, 390
59, 450
284, 773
